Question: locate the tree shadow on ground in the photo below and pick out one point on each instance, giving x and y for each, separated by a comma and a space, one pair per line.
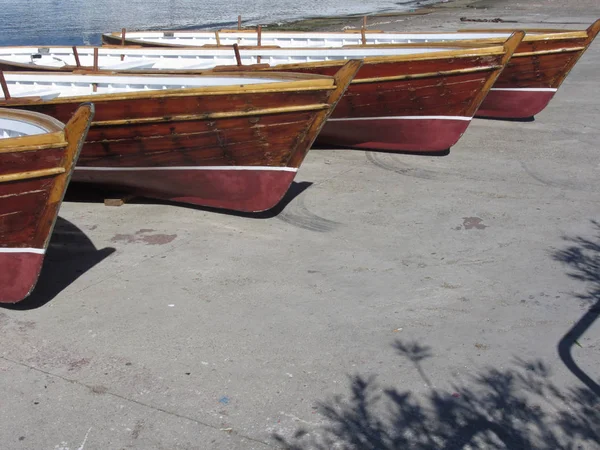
583, 259
517, 408
514, 408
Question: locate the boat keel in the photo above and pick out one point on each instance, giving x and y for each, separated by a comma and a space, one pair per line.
243, 188
19, 272
401, 134
515, 103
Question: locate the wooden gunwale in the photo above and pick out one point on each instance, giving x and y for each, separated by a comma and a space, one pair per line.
213, 116
549, 52
418, 76
33, 174
27, 144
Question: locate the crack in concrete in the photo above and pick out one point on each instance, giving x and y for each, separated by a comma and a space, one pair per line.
137, 402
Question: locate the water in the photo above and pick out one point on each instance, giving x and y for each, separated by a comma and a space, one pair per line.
76, 22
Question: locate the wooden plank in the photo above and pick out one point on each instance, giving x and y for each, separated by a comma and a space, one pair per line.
118, 200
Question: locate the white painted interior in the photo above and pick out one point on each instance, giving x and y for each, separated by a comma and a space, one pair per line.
10, 128
190, 59
295, 39
48, 86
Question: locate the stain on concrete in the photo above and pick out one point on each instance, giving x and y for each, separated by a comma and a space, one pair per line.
25, 325
142, 236
139, 426
78, 364
99, 389
473, 223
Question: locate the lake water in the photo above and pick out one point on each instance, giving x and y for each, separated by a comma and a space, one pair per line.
76, 22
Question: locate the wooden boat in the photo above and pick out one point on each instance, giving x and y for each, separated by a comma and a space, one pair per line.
225, 141
531, 79
402, 99
37, 157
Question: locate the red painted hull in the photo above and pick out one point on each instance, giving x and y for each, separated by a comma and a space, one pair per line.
18, 275
247, 190
405, 135
517, 104
34, 173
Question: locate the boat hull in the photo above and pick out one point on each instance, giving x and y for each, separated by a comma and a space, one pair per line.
409, 105
235, 147
534, 74
542, 61
34, 174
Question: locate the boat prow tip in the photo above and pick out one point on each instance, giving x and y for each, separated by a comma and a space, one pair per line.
593, 30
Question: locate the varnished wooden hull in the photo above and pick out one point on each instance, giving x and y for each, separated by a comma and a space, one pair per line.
237, 149
411, 105
418, 102
532, 77
34, 174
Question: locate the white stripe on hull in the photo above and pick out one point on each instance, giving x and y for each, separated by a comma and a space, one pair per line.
39, 251
140, 169
526, 89
405, 118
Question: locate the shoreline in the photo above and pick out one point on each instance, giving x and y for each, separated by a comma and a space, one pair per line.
453, 14
354, 21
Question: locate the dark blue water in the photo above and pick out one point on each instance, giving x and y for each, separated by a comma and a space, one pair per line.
76, 22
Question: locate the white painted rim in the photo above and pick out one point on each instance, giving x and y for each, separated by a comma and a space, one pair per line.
526, 89
404, 118
141, 169
39, 251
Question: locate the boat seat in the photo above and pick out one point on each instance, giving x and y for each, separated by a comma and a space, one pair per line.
126, 65
44, 94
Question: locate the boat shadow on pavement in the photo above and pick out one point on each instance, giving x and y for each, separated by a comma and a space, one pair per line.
90, 193
516, 406
70, 254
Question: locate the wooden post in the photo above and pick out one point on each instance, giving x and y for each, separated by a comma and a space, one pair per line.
258, 41
123, 31
239, 22
76, 55
238, 58
94, 85
95, 59
363, 31
4, 86
218, 38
